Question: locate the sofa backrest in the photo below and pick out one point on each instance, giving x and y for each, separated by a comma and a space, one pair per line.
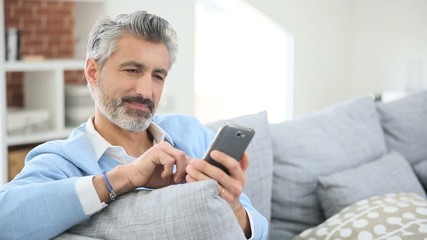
404, 122
340, 137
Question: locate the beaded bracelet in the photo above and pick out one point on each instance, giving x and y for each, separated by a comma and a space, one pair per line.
109, 187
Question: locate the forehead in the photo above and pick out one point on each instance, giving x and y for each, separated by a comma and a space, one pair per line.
131, 48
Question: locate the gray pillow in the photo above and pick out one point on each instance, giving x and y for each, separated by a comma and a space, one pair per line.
335, 139
72, 236
389, 174
260, 173
405, 126
187, 211
421, 172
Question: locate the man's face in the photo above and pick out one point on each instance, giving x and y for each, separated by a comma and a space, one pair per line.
131, 83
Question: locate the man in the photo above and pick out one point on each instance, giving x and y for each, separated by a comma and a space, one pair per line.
123, 146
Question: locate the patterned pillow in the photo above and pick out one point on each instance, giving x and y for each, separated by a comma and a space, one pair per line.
389, 216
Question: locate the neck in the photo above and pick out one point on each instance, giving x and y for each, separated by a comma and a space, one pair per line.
135, 144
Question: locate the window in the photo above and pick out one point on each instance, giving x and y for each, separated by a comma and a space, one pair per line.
243, 62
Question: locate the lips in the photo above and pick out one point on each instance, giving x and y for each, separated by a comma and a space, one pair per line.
140, 103
139, 106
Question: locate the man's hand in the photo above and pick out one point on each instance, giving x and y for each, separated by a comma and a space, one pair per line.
153, 169
231, 186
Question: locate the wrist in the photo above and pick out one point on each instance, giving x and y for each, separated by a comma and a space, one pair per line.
112, 194
243, 219
118, 180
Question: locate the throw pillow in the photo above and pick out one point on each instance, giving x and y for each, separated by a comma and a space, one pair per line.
72, 236
341, 137
391, 216
260, 173
404, 123
186, 211
389, 174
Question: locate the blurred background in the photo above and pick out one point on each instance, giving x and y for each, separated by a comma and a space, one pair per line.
289, 57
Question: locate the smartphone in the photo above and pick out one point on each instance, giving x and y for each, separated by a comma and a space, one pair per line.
231, 139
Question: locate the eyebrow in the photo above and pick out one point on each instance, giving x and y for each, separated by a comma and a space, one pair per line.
131, 63
142, 66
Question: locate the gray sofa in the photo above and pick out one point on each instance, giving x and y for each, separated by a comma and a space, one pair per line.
316, 165
352, 163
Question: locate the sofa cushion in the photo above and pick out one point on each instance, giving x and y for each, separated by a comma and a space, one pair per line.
390, 216
405, 130
404, 123
390, 174
341, 137
186, 211
260, 173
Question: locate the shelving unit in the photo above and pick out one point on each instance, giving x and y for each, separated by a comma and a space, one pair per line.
44, 88
43, 83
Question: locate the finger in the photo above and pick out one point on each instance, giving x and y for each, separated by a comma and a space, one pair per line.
181, 164
196, 169
174, 157
187, 159
230, 163
169, 149
235, 182
226, 195
189, 179
221, 190
168, 164
183, 180
187, 162
244, 162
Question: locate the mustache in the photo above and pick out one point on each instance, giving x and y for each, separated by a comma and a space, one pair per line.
140, 100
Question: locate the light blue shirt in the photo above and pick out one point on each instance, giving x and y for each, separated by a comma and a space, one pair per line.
44, 200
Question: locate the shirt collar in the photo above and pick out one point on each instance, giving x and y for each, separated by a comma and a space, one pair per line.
100, 145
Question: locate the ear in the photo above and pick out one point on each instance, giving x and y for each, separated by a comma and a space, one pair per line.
91, 71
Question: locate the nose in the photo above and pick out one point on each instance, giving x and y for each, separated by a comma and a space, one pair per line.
144, 86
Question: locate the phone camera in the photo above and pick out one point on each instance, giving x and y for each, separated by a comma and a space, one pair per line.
240, 134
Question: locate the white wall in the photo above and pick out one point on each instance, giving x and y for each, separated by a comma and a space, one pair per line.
349, 48
322, 47
389, 50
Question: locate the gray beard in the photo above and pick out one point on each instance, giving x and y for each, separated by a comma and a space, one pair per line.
129, 119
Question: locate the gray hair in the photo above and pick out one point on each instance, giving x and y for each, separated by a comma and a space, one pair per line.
106, 32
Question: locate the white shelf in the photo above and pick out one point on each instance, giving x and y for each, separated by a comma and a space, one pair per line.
44, 65
37, 137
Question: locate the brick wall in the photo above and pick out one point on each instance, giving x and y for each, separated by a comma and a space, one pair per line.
47, 29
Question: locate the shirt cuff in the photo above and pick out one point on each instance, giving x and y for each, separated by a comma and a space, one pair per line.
251, 222
87, 195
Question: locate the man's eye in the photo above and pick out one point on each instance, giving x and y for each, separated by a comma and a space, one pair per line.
132, 71
159, 77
